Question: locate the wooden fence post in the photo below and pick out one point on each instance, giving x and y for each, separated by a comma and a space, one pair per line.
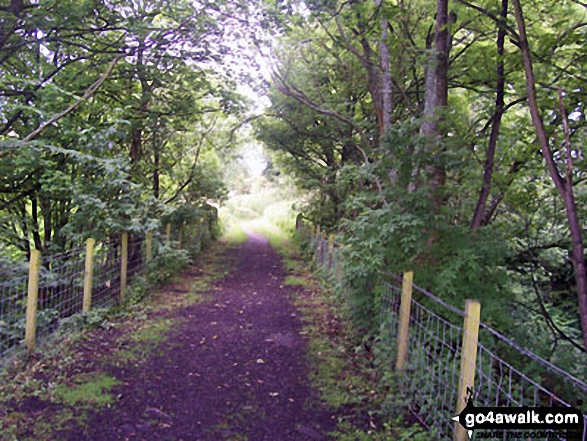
149, 245
404, 320
123, 265
299, 221
168, 234
88, 275
32, 298
468, 361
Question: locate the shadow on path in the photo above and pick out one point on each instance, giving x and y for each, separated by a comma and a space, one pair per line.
234, 370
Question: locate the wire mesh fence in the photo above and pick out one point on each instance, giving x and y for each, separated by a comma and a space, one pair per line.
506, 374
13, 295
106, 277
62, 278
60, 281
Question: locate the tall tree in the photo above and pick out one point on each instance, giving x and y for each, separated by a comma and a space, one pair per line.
436, 100
564, 184
480, 208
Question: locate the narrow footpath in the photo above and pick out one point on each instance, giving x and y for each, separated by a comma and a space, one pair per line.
235, 369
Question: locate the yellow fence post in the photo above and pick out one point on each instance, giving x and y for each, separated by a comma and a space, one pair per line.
88, 275
404, 320
149, 245
180, 236
123, 265
32, 298
468, 360
168, 234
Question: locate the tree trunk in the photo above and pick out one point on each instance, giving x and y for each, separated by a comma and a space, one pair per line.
435, 98
35, 226
156, 170
386, 80
137, 132
373, 82
565, 188
479, 213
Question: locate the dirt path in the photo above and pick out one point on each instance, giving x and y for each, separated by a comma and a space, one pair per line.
234, 370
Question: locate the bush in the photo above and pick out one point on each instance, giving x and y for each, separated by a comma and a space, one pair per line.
168, 262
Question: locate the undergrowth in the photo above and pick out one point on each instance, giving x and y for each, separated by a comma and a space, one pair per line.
53, 388
347, 370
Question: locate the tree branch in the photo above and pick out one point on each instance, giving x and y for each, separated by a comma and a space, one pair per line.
299, 96
90, 91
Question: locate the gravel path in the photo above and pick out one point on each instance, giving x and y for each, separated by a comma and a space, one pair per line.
235, 369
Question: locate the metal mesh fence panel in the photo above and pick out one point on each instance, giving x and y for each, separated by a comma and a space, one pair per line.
500, 383
13, 295
136, 257
61, 287
106, 280
430, 380
61, 279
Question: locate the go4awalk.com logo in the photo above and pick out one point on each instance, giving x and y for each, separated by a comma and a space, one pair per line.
522, 422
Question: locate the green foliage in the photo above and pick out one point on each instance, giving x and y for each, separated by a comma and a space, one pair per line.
92, 391
383, 239
166, 264
296, 281
95, 318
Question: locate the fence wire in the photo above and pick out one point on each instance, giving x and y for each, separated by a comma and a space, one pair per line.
430, 380
13, 295
499, 383
136, 256
106, 277
61, 279
60, 283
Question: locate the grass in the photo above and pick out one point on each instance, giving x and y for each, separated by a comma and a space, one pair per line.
264, 212
234, 233
52, 376
153, 332
92, 390
297, 281
344, 370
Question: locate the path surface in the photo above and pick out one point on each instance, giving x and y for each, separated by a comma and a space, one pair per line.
235, 370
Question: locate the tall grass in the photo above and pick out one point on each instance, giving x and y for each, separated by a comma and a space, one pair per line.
264, 212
